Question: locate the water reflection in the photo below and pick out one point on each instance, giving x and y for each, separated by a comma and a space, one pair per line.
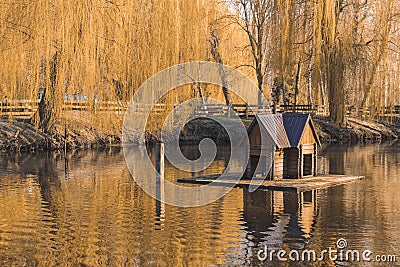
87, 210
279, 219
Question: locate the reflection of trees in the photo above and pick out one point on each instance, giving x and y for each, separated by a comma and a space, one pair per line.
258, 212
362, 211
98, 215
49, 180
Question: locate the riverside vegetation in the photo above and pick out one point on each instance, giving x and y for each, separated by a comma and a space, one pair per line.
333, 53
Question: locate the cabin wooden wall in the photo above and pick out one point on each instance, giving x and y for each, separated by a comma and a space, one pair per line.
308, 136
296, 163
307, 148
278, 164
255, 140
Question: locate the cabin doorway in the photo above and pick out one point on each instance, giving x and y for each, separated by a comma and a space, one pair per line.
307, 165
291, 164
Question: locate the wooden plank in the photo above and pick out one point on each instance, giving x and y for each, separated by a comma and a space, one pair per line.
296, 185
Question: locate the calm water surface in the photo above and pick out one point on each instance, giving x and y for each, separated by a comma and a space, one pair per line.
86, 210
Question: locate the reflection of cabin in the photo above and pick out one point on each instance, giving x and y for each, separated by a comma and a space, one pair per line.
283, 146
278, 215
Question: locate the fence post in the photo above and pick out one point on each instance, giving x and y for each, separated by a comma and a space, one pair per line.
247, 110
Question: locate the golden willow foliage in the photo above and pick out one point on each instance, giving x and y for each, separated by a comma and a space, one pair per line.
333, 52
108, 48
337, 53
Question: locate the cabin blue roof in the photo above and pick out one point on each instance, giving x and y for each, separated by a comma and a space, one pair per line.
295, 125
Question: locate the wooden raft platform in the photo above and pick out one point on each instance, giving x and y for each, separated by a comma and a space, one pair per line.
294, 185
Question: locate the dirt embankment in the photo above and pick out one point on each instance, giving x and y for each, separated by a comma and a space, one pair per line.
356, 131
18, 136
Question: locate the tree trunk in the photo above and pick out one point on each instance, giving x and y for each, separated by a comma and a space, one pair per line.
284, 91
309, 93
47, 108
214, 46
335, 75
322, 87
296, 88
371, 81
260, 81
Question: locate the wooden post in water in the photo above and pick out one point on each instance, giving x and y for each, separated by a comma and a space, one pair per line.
160, 206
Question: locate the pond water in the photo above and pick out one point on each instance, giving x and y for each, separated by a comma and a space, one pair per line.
86, 210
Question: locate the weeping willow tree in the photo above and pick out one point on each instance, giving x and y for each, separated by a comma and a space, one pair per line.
379, 43
291, 51
283, 55
332, 52
344, 46
356, 39
330, 55
286, 35
103, 48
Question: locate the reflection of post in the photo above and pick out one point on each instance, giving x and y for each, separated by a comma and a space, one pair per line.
65, 165
160, 205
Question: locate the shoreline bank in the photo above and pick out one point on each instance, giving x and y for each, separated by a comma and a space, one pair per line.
24, 137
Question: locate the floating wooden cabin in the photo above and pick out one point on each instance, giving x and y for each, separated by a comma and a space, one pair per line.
290, 146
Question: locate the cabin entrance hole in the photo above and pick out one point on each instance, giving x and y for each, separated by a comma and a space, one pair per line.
307, 165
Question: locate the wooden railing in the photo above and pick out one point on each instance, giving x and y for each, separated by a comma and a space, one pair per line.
317, 110
241, 110
357, 111
25, 109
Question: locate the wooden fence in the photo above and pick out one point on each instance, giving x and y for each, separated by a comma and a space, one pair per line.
241, 110
21, 109
317, 110
25, 109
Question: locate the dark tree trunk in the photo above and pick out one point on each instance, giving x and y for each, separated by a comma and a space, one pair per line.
47, 103
296, 89
285, 102
335, 82
214, 46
